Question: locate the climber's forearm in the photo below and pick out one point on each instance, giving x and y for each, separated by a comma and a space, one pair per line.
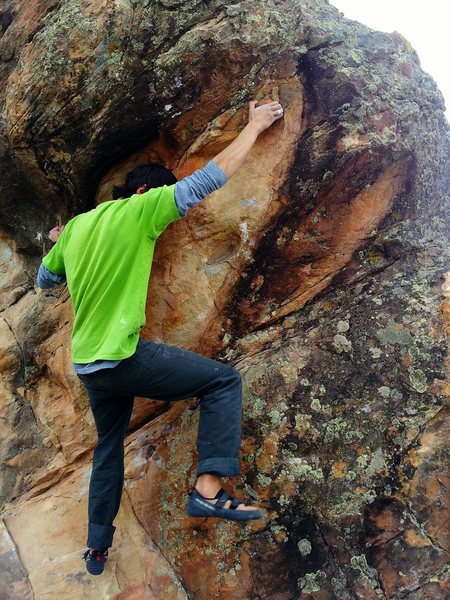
232, 157
260, 118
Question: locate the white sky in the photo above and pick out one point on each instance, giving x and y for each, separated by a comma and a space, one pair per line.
425, 24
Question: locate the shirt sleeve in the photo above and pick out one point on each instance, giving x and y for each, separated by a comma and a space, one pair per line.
154, 210
46, 279
196, 187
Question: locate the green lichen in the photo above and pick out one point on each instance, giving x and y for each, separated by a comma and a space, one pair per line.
357, 57
315, 404
276, 418
442, 575
360, 564
339, 428
341, 343
253, 19
277, 529
394, 335
303, 422
375, 352
227, 339
306, 472
396, 395
369, 496
417, 354
255, 405
311, 582
349, 503
384, 391
264, 480
425, 340
388, 135
304, 547
418, 379
343, 326
186, 419
234, 570
377, 463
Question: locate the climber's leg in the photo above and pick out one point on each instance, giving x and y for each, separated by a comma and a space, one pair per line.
112, 415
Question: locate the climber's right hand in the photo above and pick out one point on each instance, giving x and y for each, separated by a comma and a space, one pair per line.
260, 118
263, 116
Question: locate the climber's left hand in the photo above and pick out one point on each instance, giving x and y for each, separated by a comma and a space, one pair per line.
54, 233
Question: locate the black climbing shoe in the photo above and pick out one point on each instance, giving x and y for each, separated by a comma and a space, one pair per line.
95, 560
198, 506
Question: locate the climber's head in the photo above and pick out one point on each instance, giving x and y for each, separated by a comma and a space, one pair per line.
143, 178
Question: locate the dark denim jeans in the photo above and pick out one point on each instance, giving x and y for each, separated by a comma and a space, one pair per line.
159, 372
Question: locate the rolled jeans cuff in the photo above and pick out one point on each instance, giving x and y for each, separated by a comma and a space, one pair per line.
225, 467
100, 536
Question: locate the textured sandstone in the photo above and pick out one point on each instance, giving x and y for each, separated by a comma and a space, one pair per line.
54, 521
319, 270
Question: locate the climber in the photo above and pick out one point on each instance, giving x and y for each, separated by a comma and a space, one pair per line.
105, 256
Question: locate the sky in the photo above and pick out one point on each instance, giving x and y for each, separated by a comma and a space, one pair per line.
424, 24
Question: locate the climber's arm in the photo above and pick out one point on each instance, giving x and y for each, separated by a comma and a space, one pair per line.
52, 270
46, 279
232, 157
193, 189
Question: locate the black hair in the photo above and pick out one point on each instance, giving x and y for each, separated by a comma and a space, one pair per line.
152, 175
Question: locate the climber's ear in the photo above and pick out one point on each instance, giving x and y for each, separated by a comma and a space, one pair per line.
141, 189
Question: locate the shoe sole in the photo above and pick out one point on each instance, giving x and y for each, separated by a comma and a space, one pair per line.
91, 572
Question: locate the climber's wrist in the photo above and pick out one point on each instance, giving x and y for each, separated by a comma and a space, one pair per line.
254, 127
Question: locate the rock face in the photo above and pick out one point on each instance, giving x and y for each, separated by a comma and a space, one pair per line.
319, 271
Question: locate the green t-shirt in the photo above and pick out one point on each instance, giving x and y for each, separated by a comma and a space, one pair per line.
106, 255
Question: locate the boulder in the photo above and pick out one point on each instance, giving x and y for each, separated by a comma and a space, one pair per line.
320, 271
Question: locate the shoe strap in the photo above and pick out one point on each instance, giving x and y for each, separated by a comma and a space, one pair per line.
94, 553
222, 497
